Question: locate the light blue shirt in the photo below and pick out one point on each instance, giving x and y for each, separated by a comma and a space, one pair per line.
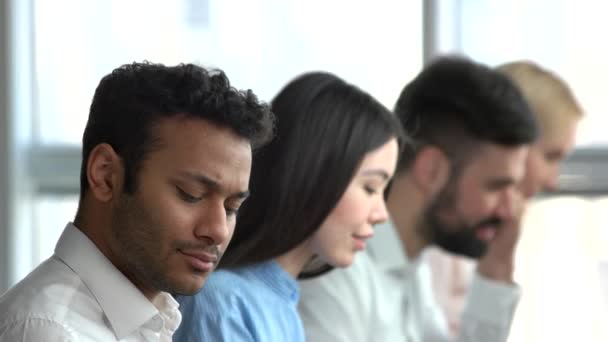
254, 303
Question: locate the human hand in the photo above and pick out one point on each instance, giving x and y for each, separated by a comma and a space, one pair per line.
498, 262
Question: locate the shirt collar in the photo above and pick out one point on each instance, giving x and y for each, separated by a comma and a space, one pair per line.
125, 307
276, 278
169, 311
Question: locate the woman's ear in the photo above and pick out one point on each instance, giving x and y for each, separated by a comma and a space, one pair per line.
104, 172
431, 170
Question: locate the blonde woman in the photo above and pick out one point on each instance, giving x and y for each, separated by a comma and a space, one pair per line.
558, 113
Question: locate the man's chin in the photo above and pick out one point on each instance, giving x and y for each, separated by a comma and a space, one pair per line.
187, 288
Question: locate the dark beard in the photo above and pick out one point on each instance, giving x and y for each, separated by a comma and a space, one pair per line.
461, 239
457, 237
139, 242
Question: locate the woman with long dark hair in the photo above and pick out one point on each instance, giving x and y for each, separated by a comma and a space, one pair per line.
316, 192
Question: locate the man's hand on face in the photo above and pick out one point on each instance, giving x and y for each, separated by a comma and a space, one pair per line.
498, 262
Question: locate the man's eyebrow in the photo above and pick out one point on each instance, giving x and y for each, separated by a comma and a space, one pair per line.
555, 154
241, 195
498, 183
211, 183
376, 172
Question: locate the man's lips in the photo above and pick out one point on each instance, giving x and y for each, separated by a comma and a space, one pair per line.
486, 233
200, 260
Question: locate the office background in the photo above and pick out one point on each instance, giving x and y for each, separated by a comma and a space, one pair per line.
53, 54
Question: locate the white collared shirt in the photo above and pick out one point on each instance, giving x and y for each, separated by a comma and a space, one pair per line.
79, 295
384, 296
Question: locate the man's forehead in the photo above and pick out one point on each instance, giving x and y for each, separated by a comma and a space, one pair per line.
219, 157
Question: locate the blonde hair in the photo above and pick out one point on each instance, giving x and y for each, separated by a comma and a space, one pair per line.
548, 95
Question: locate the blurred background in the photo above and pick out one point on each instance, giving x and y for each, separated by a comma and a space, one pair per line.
53, 54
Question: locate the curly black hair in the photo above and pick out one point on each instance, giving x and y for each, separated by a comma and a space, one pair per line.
134, 97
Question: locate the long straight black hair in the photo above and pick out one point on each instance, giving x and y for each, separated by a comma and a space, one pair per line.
324, 129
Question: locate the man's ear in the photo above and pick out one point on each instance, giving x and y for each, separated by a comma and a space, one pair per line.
431, 170
104, 172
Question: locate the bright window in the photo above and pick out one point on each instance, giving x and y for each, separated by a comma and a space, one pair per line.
562, 35
259, 44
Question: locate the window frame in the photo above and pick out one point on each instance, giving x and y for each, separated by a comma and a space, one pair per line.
16, 108
5, 143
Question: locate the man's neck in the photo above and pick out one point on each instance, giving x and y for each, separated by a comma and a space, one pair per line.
93, 229
405, 204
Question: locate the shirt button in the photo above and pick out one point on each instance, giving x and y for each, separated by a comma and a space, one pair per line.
156, 323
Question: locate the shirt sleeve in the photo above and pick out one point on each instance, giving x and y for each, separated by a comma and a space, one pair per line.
211, 318
336, 306
34, 329
489, 311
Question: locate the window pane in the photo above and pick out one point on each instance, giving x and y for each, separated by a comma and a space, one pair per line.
260, 45
562, 35
51, 214
561, 261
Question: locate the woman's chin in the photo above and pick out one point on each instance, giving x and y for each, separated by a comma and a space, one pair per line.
343, 261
